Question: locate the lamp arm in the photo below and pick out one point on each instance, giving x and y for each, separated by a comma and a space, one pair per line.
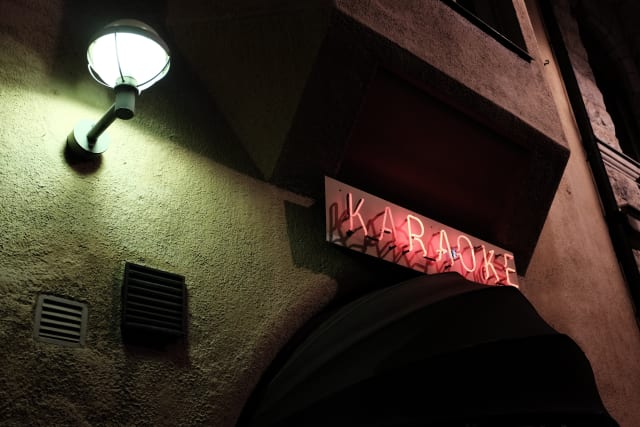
88, 139
102, 125
123, 108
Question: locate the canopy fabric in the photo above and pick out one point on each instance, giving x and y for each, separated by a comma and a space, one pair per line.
434, 350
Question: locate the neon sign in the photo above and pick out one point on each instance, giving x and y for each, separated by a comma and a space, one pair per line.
365, 223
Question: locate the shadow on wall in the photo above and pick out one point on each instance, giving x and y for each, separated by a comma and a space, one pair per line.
356, 274
177, 105
80, 165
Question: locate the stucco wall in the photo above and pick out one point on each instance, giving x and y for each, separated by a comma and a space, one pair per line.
268, 50
448, 41
607, 28
574, 280
175, 191
178, 191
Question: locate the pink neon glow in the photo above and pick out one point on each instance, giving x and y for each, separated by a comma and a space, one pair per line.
508, 270
384, 228
355, 213
444, 238
421, 244
488, 264
415, 236
473, 253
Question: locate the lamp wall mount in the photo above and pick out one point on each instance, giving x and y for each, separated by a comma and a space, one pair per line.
88, 138
134, 57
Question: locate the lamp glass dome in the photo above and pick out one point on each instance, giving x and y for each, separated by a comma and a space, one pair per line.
126, 50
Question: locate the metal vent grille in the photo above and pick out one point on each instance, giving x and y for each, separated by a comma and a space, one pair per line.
60, 321
153, 303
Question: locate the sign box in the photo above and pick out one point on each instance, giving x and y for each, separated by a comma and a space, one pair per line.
368, 224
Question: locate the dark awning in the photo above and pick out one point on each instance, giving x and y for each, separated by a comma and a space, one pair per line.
434, 350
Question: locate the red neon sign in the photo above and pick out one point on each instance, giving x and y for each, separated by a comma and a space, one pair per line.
368, 224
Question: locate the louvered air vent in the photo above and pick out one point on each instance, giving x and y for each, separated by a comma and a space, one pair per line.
153, 303
60, 321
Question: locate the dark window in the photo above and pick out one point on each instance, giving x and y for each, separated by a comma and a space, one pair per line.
610, 81
495, 17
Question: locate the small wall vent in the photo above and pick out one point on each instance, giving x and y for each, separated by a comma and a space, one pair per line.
153, 304
60, 321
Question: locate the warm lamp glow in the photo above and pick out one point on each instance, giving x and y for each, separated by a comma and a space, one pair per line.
126, 50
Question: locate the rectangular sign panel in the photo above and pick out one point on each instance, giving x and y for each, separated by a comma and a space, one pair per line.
365, 223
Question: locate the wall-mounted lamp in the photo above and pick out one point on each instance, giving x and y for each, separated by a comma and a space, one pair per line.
128, 56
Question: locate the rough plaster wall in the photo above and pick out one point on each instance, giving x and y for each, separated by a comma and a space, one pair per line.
601, 122
617, 36
268, 50
445, 39
175, 191
625, 188
574, 280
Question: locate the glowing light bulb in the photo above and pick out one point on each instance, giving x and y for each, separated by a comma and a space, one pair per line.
129, 52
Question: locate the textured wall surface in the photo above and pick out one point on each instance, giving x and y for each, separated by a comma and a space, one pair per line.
178, 190
609, 29
462, 50
268, 50
574, 280
175, 191
601, 121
